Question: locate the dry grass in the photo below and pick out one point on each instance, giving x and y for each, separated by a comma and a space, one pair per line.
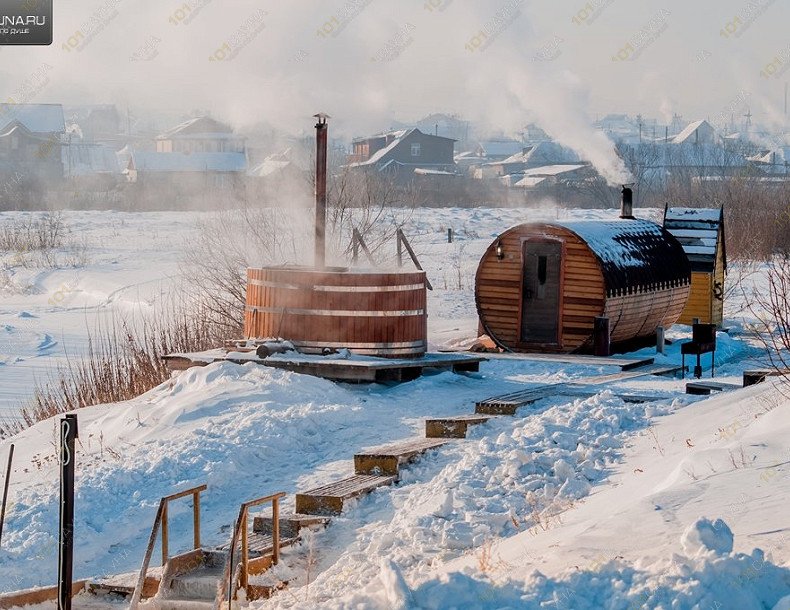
122, 361
33, 233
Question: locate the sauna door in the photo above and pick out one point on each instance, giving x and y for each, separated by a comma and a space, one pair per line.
540, 292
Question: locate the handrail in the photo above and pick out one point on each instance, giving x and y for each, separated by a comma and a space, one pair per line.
356, 242
225, 590
402, 241
161, 520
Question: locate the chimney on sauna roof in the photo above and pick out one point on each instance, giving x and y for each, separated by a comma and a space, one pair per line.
627, 203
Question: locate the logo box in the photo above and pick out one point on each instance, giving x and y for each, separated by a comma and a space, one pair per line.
25, 22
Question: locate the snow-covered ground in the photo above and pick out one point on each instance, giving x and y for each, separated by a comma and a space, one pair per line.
585, 503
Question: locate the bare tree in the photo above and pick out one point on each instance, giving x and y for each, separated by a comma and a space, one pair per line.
771, 309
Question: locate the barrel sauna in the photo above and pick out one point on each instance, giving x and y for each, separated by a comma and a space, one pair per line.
372, 313
540, 286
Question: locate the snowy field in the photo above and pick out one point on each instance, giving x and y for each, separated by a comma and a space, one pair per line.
587, 503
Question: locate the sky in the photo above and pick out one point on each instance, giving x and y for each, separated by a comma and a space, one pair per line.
504, 63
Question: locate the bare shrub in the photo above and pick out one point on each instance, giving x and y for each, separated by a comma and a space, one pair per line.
33, 233
770, 307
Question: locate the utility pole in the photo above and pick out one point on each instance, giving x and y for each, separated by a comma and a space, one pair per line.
68, 434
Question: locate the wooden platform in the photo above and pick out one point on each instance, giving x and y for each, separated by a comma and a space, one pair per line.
329, 499
452, 427
387, 459
704, 388
355, 369
625, 364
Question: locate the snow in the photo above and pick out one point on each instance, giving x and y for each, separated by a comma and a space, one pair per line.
573, 503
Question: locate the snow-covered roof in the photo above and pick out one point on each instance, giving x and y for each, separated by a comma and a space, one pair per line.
778, 156
189, 162
37, 118
424, 171
691, 128
500, 148
530, 181
633, 253
277, 162
698, 230
197, 126
551, 170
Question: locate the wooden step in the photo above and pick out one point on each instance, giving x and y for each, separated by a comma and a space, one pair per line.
290, 525
508, 404
328, 499
452, 427
387, 459
704, 388
197, 585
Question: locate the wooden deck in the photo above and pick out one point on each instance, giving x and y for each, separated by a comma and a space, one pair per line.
355, 370
329, 499
625, 364
387, 459
704, 388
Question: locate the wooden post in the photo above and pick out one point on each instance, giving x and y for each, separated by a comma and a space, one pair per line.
399, 245
660, 340
450, 235
5, 490
320, 190
275, 531
196, 518
244, 549
602, 345
164, 535
68, 434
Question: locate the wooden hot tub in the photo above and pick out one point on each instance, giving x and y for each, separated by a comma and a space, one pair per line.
368, 312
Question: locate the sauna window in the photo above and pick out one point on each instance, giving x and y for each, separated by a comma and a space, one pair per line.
541, 270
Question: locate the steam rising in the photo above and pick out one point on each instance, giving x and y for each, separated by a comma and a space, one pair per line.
363, 62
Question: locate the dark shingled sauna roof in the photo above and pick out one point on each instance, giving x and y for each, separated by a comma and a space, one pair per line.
635, 255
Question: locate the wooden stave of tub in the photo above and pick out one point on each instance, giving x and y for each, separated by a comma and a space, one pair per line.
319, 309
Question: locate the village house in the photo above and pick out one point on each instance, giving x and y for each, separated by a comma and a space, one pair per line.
403, 152
31, 136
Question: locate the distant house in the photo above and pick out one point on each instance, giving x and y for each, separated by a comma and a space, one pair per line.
536, 155
200, 135
498, 149
94, 166
774, 162
206, 168
31, 136
95, 123
403, 151
698, 132
549, 175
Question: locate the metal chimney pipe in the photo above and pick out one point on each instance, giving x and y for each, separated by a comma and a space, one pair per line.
627, 203
321, 132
